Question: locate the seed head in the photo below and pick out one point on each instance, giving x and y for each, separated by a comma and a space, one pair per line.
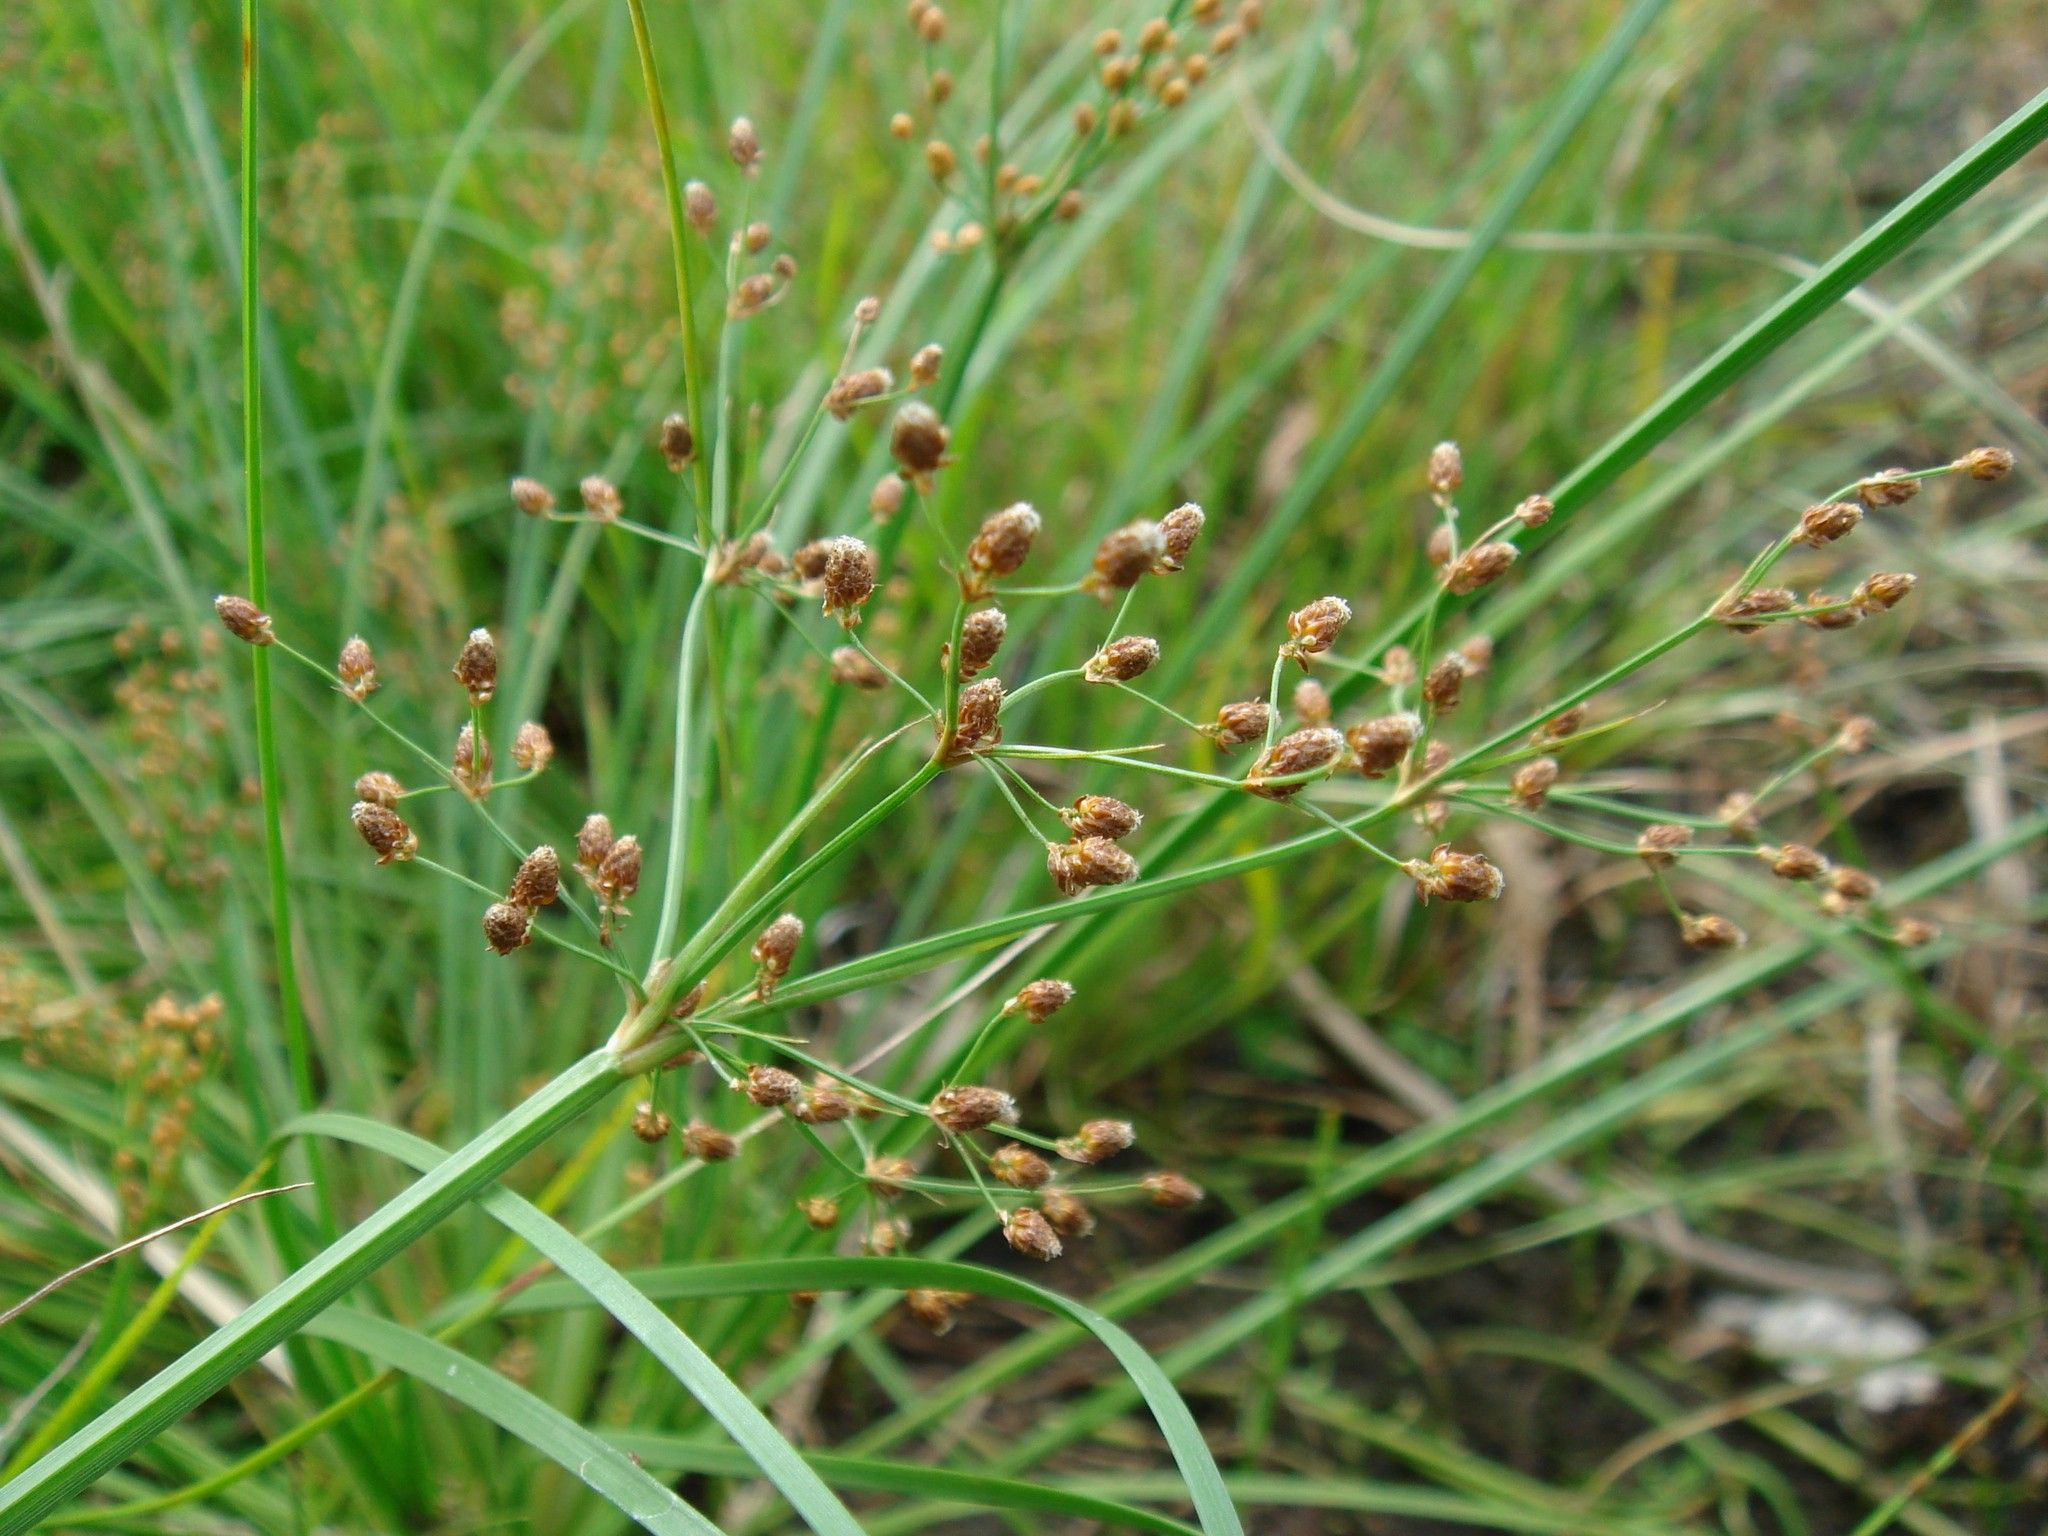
1986, 463
1479, 566
1883, 591
886, 499
1455, 876
244, 620
1446, 469
856, 669
1565, 723
1173, 1191
940, 160
934, 1308
1313, 629
1027, 1231
823, 1103
1004, 542
1379, 745
1101, 816
1299, 752
820, 1211
532, 747
650, 1124
1019, 1167
850, 391
1397, 666
1097, 1141
1827, 522
1445, 682
1830, 612
385, 831
379, 788
1311, 702
769, 1086
1239, 723
593, 842
1658, 845
1124, 556
1913, 932
1887, 488
357, 668
618, 877
1795, 861
678, 443
700, 207
751, 295
980, 638
925, 364
1040, 1000
539, 880
531, 497
1534, 511
977, 722
1067, 1213
1179, 529
1155, 36
774, 950
849, 579
1856, 734
743, 144
1122, 660
917, 440
1852, 884
707, 1143
1086, 862
867, 311
1532, 781
931, 24
507, 927
472, 763
1437, 548
968, 1107
1744, 614
1710, 930
601, 499
889, 1176
810, 560
477, 667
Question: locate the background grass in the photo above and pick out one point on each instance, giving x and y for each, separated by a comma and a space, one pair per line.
1379, 1327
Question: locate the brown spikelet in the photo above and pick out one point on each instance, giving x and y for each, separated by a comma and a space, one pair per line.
917, 441
1745, 614
1101, 816
538, 881
1019, 1167
1827, 522
1710, 930
1479, 566
774, 950
1883, 591
968, 1107
820, 1212
980, 638
1658, 845
651, 1125
1445, 683
678, 444
593, 842
934, 1308
472, 762
1534, 511
1300, 752
1378, 746
385, 831
1448, 875
1124, 556
1172, 1191
823, 1103
1086, 862
507, 927
1795, 861
1027, 1231
707, 1143
977, 722
532, 747
1040, 1000
856, 669
849, 579
700, 207
1986, 463
850, 391
1002, 544
1446, 471
379, 787
743, 144
1532, 781
357, 669
768, 1087
1122, 660
244, 620
531, 497
1178, 531
618, 877
925, 365
477, 667
1239, 723
1067, 1213
601, 499
1097, 1141
1313, 629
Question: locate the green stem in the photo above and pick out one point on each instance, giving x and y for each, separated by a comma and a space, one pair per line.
679, 788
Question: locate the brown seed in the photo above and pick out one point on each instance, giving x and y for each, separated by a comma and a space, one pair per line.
768, 1087
1986, 463
1479, 566
850, 391
774, 950
1446, 681
849, 579
1086, 862
1179, 530
1097, 1141
477, 667
1122, 660
1124, 556
707, 1143
472, 763
1174, 1191
1241, 722
507, 927
1795, 861
1446, 469
379, 788
1299, 752
1744, 614
1710, 930
1827, 522
593, 842
856, 669
385, 831
601, 499
539, 880
678, 443
618, 877
934, 1308
1019, 1167
743, 144
1027, 1231
244, 620
1040, 1000
1532, 781
1883, 591
1313, 629
531, 497
1380, 745
1066, 1212
1658, 845
532, 747
357, 668
970, 1107
1004, 541
980, 638
650, 1124
917, 440
1101, 816
1534, 511
1455, 876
